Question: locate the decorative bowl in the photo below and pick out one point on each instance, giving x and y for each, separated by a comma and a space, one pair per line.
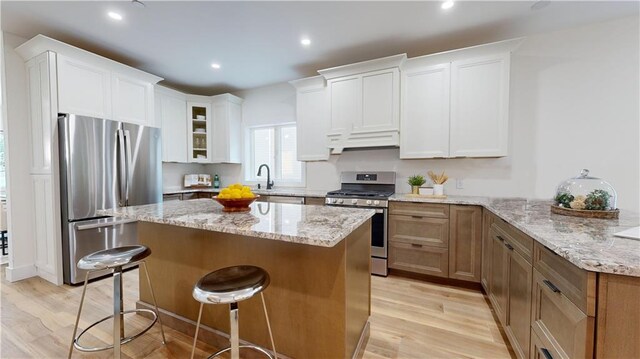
236, 204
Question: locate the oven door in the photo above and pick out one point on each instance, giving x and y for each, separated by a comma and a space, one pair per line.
379, 233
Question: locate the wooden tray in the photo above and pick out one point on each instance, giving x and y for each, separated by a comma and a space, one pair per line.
585, 213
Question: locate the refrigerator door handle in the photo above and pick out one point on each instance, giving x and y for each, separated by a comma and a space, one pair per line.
122, 170
82, 227
127, 139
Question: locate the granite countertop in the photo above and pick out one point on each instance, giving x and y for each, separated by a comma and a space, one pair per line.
588, 243
321, 226
288, 192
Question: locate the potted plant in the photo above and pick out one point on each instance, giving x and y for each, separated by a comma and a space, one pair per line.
415, 182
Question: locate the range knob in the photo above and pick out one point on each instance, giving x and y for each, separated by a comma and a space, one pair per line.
328, 200
354, 201
340, 201
369, 201
376, 202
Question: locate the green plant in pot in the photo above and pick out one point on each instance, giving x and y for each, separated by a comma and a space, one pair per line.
415, 182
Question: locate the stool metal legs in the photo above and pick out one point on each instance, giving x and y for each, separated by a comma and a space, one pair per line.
234, 337
118, 316
75, 327
155, 304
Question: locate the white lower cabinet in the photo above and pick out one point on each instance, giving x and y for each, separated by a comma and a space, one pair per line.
312, 120
424, 129
480, 106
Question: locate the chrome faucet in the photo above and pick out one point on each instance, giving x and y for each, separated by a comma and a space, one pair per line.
269, 181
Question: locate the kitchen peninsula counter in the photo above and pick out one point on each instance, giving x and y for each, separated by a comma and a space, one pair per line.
588, 243
318, 258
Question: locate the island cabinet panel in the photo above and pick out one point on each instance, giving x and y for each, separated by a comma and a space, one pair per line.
318, 299
557, 318
618, 320
465, 242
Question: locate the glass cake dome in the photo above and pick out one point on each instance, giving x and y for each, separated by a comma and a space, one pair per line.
586, 193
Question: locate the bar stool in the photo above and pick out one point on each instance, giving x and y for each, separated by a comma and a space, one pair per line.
231, 285
115, 258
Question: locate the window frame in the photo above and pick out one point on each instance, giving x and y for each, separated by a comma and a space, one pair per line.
250, 174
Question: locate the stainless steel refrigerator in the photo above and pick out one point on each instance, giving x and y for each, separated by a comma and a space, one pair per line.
103, 164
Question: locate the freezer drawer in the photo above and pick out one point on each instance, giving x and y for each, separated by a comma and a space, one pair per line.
85, 237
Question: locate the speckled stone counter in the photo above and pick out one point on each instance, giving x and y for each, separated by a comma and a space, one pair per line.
287, 192
313, 225
585, 242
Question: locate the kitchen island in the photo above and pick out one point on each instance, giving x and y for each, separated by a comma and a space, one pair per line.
317, 257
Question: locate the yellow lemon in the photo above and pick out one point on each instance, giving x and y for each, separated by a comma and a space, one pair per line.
223, 195
225, 191
235, 195
247, 195
246, 189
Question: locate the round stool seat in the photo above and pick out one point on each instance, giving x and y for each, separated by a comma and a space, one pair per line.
231, 284
114, 257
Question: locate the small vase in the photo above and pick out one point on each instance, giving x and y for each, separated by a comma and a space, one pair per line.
415, 189
438, 189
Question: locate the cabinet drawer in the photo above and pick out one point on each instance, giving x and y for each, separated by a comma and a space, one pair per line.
418, 230
559, 320
316, 201
542, 349
419, 209
576, 284
419, 259
522, 243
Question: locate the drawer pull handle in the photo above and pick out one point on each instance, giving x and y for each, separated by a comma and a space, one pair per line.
509, 247
417, 217
551, 286
500, 238
416, 245
546, 353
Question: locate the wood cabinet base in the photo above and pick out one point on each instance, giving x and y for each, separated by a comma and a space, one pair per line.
318, 299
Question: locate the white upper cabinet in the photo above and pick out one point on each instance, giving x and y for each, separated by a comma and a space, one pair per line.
480, 106
132, 100
456, 103
171, 114
94, 86
364, 103
83, 89
227, 129
199, 131
312, 120
424, 129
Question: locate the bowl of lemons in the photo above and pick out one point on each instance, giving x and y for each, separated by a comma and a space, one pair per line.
236, 198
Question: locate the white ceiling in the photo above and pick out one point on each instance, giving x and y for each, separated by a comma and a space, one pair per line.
258, 43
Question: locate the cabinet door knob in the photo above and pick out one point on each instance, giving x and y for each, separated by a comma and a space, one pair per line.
546, 353
551, 286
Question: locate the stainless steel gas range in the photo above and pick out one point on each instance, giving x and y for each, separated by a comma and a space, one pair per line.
369, 190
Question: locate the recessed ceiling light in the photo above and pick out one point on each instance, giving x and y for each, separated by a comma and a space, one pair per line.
305, 42
114, 15
215, 66
447, 4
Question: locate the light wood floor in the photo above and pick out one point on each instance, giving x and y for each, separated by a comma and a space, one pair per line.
410, 319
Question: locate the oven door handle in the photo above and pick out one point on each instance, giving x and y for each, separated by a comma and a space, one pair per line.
378, 210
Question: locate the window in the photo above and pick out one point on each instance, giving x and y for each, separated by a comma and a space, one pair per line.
275, 146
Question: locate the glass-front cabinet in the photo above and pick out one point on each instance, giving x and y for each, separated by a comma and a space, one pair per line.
199, 131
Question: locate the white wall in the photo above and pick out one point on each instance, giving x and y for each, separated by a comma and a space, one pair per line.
19, 197
574, 104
